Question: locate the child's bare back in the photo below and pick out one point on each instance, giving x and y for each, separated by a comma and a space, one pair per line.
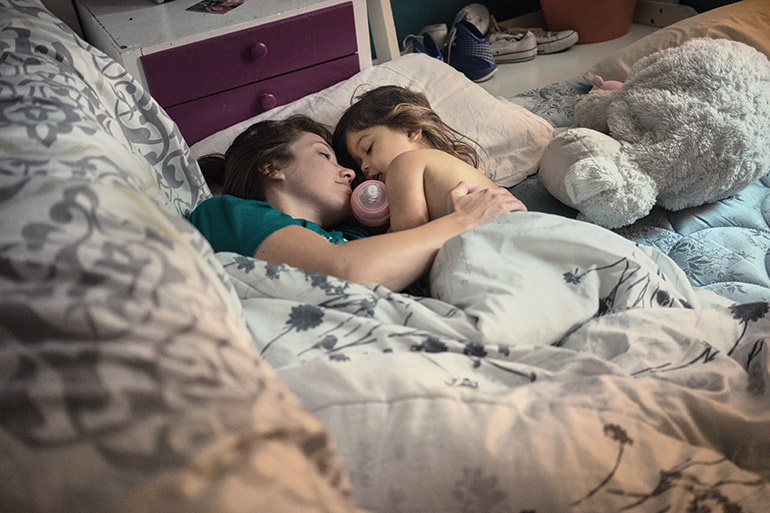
419, 181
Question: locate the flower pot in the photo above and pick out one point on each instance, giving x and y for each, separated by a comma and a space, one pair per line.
594, 20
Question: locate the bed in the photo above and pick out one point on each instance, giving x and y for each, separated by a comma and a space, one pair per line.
556, 366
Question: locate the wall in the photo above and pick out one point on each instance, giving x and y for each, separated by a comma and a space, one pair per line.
65, 11
410, 16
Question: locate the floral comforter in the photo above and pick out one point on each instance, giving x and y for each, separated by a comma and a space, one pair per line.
128, 380
556, 367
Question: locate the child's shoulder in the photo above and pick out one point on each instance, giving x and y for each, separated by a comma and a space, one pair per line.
429, 155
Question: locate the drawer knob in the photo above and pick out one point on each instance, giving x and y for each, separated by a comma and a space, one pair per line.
267, 101
259, 51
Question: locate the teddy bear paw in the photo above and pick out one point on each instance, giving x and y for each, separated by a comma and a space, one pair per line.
607, 195
590, 177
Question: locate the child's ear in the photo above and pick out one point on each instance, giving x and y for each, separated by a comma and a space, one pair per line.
414, 134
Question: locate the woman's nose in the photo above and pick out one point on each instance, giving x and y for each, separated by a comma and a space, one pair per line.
349, 174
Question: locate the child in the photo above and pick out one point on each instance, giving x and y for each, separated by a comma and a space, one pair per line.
392, 134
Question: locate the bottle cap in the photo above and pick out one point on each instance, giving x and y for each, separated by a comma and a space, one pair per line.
371, 194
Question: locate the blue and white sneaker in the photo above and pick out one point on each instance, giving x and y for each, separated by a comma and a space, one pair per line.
438, 32
422, 44
468, 51
477, 14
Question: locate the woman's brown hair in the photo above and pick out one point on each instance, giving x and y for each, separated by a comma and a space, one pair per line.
239, 172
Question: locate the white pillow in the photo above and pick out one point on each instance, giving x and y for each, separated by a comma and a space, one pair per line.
512, 137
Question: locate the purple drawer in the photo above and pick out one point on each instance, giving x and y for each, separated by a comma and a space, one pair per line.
200, 118
207, 67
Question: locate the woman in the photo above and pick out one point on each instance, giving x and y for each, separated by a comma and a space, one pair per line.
286, 199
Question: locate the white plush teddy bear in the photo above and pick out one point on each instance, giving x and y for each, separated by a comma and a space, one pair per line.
691, 125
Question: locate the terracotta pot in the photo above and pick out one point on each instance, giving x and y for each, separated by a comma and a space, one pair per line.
594, 20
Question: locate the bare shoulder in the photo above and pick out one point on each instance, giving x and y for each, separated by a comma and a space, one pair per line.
427, 156
417, 159
445, 168
437, 164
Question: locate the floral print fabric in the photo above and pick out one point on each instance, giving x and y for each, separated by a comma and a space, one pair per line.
132, 358
557, 367
128, 380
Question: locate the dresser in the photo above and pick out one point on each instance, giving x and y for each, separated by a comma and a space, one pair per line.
209, 71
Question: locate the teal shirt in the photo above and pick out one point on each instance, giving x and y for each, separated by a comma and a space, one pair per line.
240, 226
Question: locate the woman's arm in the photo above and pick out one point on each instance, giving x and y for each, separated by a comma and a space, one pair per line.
394, 260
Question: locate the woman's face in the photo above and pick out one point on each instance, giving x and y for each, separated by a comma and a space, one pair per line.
317, 180
374, 148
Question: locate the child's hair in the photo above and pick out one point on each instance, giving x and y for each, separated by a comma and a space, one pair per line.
237, 172
400, 109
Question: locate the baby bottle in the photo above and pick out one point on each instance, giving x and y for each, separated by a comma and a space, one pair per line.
369, 203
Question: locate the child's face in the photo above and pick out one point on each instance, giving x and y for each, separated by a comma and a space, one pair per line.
374, 148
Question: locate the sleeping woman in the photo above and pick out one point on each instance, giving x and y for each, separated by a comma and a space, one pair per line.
285, 199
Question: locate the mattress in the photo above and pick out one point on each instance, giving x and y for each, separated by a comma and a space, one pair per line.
723, 246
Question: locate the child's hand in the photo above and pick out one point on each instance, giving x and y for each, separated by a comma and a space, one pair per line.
481, 207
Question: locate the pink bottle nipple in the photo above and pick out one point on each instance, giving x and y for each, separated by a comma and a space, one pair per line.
370, 204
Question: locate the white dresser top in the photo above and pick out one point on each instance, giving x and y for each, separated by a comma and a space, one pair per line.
143, 23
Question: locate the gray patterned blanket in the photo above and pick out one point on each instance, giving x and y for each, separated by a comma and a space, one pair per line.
556, 367
128, 381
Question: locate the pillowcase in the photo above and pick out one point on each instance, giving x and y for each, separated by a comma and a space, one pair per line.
513, 138
747, 21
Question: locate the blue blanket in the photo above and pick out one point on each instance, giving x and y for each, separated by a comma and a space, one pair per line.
723, 247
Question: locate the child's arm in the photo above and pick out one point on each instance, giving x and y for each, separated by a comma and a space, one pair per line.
418, 182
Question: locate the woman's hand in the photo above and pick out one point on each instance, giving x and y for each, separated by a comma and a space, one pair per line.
481, 207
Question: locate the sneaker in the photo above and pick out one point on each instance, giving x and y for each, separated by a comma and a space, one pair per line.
438, 32
547, 41
469, 52
552, 42
422, 44
476, 14
507, 48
